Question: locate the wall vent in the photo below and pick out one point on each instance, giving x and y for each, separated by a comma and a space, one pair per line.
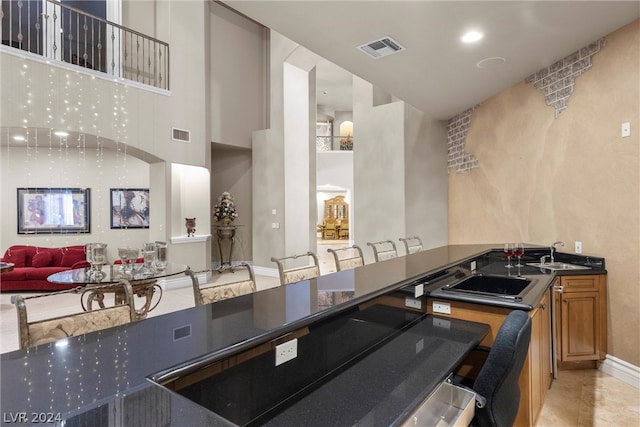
181, 332
180, 135
382, 47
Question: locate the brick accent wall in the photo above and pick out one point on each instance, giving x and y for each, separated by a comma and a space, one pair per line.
557, 80
457, 128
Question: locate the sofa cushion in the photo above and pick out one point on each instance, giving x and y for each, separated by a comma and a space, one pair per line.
81, 264
72, 256
42, 258
32, 273
15, 274
16, 257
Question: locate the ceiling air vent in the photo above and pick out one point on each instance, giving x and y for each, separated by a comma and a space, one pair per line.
382, 47
180, 135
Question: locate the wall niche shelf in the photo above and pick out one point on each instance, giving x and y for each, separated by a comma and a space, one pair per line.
176, 240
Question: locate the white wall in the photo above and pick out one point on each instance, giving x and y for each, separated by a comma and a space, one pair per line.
379, 183
59, 96
297, 156
426, 178
98, 170
238, 69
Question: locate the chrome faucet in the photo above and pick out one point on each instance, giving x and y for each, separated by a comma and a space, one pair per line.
553, 248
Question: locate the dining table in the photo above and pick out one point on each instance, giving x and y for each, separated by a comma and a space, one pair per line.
143, 278
6, 266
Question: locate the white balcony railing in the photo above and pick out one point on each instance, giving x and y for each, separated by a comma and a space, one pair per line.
63, 33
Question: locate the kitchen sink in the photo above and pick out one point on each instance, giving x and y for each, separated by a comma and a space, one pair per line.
558, 266
493, 286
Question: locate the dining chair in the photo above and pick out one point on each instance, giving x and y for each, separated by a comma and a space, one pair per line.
330, 230
297, 274
46, 330
411, 244
347, 258
383, 250
343, 232
220, 291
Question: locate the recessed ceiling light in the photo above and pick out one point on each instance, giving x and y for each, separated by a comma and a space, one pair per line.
472, 36
61, 133
18, 138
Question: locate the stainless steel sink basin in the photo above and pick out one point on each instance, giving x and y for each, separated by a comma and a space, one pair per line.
492, 286
558, 266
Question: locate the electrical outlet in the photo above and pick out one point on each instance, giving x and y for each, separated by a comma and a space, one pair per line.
418, 291
286, 351
442, 307
413, 303
578, 247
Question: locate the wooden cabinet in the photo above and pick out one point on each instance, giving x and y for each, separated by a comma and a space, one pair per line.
540, 374
336, 208
581, 319
536, 375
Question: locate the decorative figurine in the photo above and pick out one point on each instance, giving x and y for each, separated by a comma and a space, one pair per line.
191, 226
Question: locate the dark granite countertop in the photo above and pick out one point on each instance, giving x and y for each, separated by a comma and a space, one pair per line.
494, 263
82, 379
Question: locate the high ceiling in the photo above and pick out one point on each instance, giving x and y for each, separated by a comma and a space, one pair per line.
437, 73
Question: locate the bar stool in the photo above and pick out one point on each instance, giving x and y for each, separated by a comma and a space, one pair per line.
297, 274
383, 250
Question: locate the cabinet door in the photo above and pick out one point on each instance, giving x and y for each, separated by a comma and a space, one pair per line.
580, 330
540, 356
546, 353
586, 283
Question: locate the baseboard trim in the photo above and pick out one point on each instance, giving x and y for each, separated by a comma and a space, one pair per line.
266, 271
176, 282
621, 370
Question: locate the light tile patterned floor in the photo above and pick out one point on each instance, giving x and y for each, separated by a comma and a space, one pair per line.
590, 398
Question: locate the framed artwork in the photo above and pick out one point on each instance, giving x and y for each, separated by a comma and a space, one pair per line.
129, 208
54, 210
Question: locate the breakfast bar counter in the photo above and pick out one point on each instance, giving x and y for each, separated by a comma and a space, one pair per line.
131, 371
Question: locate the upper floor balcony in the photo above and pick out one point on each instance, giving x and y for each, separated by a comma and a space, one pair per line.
62, 33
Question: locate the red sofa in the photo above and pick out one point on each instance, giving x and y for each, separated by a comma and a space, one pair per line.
33, 264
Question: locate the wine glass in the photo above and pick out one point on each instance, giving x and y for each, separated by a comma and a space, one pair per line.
123, 254
518, 250
161, 256
508, 252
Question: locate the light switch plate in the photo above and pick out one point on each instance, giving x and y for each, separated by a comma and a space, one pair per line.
625, 129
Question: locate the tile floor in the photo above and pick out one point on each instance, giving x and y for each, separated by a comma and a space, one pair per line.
590, 398
576, 398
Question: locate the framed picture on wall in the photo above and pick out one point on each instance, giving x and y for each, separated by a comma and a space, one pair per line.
53, 210
129, 208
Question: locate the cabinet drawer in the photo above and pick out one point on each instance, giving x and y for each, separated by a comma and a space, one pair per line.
588, 283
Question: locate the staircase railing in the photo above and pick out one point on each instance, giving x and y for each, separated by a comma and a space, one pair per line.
63, 33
